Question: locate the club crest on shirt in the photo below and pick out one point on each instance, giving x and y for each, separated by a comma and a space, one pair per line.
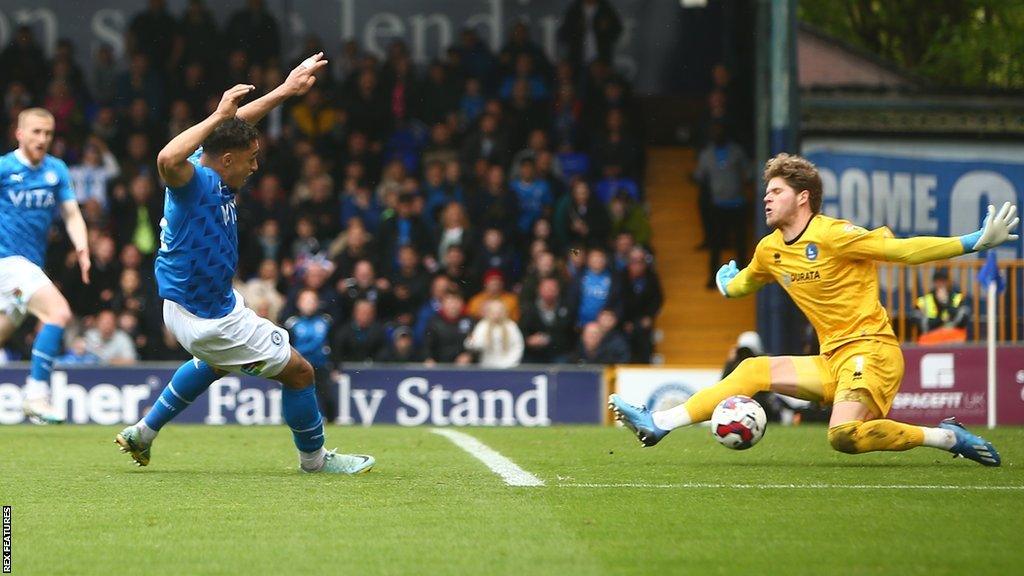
811, 251
50, 177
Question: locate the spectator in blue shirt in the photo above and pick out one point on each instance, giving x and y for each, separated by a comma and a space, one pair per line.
535, 198
310, 335
439, 192
596, 288
78, 355
614, 183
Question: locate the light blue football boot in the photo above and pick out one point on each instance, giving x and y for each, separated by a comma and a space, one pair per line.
40, 412
131, 443
335, 463
971, 446
637, 419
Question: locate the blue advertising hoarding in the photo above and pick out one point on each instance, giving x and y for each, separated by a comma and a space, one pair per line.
918, 188
403, 396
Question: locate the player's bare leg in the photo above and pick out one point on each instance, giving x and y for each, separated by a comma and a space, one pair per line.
52, 309
298, 402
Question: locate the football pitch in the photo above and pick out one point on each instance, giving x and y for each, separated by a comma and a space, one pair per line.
229, 500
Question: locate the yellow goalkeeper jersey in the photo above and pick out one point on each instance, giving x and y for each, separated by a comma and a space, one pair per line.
829, 271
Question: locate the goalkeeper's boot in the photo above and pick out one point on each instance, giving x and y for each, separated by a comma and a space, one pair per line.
39, 411
335, 463
637, 419
131, 443
969, 445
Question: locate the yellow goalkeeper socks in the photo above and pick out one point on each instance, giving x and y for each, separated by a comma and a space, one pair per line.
753, 375
858, 437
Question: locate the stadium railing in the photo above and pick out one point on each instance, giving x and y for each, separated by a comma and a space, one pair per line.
901, 285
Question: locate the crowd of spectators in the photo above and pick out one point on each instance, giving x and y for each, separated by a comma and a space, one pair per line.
484, 207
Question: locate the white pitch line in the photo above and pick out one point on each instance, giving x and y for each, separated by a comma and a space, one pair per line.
701, 485
512, 474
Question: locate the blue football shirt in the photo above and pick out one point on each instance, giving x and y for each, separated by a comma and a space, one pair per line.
198, 244
29, 197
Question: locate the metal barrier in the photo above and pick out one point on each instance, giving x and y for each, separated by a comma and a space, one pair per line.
901, 285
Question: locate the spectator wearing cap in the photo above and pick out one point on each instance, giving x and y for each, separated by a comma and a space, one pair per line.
402, 348
494, 289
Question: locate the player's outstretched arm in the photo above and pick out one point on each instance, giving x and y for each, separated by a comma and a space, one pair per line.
172, 162
735, 283
298, 82
997, 229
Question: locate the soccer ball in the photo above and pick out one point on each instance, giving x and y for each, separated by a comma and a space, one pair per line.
738, 422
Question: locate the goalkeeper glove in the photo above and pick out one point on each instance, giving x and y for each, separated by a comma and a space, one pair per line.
725, 274
996, 229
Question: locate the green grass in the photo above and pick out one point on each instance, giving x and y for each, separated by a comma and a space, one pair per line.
228, 500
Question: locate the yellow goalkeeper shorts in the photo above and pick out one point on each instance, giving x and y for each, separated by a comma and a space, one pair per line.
863, 371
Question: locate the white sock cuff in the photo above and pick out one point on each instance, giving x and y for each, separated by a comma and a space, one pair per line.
672, 418
36, 389
312, 461
938, 437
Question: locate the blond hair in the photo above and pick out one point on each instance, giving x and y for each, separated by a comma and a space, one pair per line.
27, 113
799, 173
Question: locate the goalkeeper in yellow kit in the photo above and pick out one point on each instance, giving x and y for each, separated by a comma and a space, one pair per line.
827, 266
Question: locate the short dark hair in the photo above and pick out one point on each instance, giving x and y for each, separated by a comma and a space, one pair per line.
233, 134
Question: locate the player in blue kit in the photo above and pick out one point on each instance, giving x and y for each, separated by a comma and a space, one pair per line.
33, 185
203, 168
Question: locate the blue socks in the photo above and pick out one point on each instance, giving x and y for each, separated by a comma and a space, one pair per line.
303, 417
45, 349
191, 380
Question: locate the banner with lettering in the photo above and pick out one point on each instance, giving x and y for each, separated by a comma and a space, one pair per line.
403, 396
918, 188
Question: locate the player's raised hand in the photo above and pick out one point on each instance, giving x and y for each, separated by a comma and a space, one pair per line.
232, 98
302, 78
726, 273
998, 227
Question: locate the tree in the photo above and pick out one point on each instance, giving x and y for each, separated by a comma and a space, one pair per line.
953, 43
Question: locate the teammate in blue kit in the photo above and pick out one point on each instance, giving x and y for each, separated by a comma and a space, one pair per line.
204, 167
32, 185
